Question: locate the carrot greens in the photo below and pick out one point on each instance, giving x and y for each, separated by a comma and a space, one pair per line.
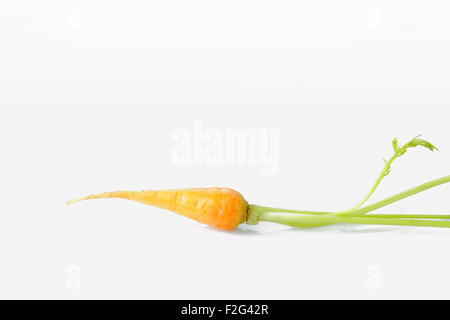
359, 214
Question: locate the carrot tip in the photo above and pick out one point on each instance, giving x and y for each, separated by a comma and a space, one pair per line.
74, 201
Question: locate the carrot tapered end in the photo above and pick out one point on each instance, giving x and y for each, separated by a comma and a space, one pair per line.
77, 200
73, 201
117, 194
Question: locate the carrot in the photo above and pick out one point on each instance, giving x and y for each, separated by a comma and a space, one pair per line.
225, 208
222, 208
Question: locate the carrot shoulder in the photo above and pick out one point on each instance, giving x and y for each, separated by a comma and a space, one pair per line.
222, 208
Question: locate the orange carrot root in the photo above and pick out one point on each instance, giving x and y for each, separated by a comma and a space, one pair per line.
222, 208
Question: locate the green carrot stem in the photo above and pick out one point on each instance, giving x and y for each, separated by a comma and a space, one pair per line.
255, 211
360, 216
398, 152
260, 209
364, 210
403, 216
397, 197
254, 207
375, 185
308, 221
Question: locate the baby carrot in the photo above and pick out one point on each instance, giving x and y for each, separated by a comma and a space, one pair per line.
222, 208
225, 208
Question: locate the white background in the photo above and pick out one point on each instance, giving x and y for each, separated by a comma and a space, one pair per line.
91, 91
